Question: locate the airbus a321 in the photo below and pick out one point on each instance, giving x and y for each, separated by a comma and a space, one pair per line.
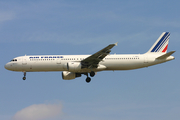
73, 66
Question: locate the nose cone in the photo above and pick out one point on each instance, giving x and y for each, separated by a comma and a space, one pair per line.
7, 66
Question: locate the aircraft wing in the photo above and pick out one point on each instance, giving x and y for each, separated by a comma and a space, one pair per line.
93, 60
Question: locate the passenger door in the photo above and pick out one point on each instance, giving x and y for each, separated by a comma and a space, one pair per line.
24, 62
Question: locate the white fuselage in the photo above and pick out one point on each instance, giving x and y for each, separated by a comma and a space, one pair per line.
75, 65
37, 63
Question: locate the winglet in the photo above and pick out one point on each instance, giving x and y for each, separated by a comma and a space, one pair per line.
115, 44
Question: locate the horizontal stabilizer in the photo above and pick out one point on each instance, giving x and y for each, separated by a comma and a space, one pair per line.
165, 55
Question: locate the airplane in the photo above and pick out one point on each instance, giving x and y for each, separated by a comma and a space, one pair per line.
73, 66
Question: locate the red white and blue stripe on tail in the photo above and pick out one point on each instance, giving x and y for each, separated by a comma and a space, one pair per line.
161, 45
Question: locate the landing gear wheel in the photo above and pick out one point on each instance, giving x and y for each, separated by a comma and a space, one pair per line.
24, 78
88, 79
92, 73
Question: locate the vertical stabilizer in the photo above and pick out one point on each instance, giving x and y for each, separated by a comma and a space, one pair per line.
161, 45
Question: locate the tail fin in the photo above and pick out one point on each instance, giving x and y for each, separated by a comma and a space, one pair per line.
161, 45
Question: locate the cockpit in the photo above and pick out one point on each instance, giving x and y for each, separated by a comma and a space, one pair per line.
13, 60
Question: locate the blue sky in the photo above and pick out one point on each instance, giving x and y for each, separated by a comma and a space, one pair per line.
84, 27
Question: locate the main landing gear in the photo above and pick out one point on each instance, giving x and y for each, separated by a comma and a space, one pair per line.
24, 78
88, 79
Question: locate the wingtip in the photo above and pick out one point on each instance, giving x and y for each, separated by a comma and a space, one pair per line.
116, 44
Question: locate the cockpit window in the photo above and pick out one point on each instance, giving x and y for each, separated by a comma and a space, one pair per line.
13, 60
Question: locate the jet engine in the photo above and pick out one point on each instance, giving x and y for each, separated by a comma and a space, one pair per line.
70, 75
74, 66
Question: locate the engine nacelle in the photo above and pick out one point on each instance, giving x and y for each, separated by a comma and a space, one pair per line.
74, 66
70, 75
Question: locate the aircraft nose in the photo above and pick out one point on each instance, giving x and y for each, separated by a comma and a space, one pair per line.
7, 66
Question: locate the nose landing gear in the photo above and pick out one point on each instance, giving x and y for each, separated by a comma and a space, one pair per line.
24, 78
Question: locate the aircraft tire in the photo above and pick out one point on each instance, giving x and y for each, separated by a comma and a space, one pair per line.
92, 73
88, 79
24, 78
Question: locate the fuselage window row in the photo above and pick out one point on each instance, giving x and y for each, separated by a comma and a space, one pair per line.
46, 57
40, 59
119, 58
35, 59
